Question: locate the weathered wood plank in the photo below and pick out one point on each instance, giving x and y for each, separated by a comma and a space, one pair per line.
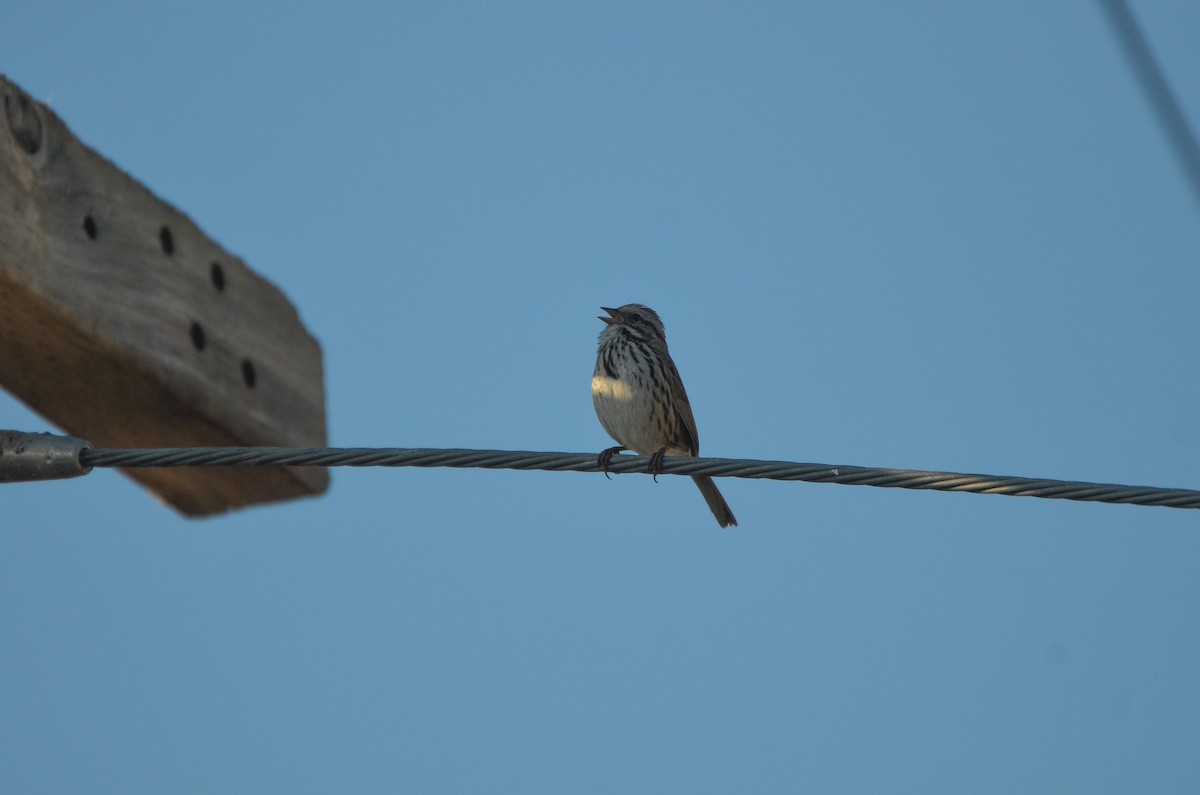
123, 323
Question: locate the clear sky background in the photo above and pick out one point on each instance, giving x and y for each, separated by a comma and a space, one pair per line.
930, 235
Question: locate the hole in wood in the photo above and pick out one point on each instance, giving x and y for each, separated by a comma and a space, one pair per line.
168, 242
198, 336
218, 276
89, 226
248, 373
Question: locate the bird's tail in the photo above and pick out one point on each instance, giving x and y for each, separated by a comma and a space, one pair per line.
716, 503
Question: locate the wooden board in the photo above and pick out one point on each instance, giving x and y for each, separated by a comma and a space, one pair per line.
127, 326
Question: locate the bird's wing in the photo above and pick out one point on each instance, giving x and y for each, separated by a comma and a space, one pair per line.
680, 399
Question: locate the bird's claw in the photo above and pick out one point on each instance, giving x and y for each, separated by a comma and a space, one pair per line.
656, 464
605, 457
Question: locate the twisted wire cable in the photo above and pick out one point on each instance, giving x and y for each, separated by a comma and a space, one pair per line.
587, 462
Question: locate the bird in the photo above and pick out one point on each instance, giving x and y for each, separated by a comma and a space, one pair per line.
640, 399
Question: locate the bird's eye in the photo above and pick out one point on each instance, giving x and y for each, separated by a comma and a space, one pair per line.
635, 317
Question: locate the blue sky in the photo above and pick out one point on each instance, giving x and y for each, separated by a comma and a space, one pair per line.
928, 235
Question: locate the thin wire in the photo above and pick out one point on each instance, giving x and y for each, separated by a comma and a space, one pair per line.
586, 462
1158, 91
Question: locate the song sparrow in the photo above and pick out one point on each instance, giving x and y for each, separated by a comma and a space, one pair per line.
640, 398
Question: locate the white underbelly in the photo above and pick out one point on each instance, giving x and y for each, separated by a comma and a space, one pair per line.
629, 417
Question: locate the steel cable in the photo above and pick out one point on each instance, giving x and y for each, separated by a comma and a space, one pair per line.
586, 462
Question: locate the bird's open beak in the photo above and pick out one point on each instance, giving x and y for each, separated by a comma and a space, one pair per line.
615, 316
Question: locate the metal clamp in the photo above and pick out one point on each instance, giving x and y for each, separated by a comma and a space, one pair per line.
40, 456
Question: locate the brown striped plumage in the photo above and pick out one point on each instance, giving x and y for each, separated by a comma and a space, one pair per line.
640, 399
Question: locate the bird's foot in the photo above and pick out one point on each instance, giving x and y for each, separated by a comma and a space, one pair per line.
606, 456
656, 463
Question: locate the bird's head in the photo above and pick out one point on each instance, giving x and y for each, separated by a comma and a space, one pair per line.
636, 320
